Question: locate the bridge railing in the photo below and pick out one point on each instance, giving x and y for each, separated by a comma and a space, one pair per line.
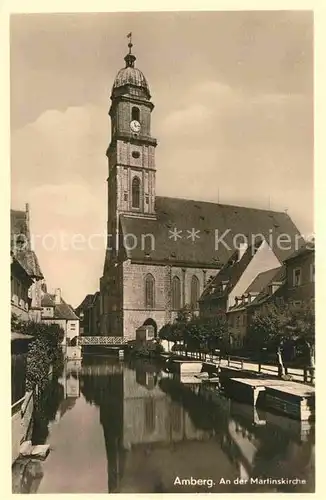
101, 340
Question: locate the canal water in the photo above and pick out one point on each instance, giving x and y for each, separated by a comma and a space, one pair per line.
128, 427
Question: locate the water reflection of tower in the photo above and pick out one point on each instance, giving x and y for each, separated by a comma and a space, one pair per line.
149, 414
102, 385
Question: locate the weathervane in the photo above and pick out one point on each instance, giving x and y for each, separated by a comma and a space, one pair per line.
130, 41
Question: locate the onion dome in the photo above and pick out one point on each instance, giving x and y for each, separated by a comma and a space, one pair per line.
129, 75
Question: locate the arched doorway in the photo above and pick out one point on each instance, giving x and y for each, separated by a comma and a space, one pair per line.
151, 322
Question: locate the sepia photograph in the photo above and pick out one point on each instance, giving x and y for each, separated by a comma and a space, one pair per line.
162, 252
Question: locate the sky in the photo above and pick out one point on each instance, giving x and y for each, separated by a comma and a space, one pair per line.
233, 116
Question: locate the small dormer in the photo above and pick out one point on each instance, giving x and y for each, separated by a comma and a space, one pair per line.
47, 312
252, 296
245, 299
273, 287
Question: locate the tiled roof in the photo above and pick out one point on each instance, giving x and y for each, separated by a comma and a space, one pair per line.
18, 223
62, 310
48, 300
228, 275
205, 218
265, 293
263, 279
260, 287
305, 248
26, 257
86, 303
17, 267
29, 261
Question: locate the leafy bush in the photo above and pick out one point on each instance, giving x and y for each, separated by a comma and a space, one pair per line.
197, 333
149, 349
281, 325
44, 350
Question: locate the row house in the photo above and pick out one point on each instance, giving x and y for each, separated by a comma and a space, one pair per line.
293, 282
300, 275
263, 288
233, 281
56, 310
26, 276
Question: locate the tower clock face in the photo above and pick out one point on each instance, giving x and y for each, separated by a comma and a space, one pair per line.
135, 126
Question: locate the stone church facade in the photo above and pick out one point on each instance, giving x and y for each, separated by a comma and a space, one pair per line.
161, 251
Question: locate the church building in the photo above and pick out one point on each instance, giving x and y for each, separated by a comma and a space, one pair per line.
161, 251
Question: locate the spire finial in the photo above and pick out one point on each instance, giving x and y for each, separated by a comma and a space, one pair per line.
130, 41
130, 58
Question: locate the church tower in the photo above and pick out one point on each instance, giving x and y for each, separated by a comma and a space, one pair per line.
131, 153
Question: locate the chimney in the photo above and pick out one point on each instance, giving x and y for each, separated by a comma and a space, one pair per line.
57, 298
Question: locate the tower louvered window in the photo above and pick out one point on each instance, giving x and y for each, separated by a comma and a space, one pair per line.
135, 195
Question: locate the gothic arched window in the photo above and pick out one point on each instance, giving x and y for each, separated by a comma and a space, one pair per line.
194, 292
149, 291
176, 293
135, 114
135, 193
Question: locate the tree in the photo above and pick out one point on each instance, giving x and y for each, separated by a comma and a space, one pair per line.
268, 329
44, 350
185, 314
302, 329
205, 334
279, 323
173, 332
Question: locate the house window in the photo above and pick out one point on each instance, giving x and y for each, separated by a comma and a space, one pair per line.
149, 291
312, 273
176, 293
135, 113
194, 292
47, 311
135, 193
297, 277
72, 326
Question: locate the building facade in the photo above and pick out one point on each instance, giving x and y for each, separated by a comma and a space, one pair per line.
300, 275
56, 310
291, 283
161, 252
26, 276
